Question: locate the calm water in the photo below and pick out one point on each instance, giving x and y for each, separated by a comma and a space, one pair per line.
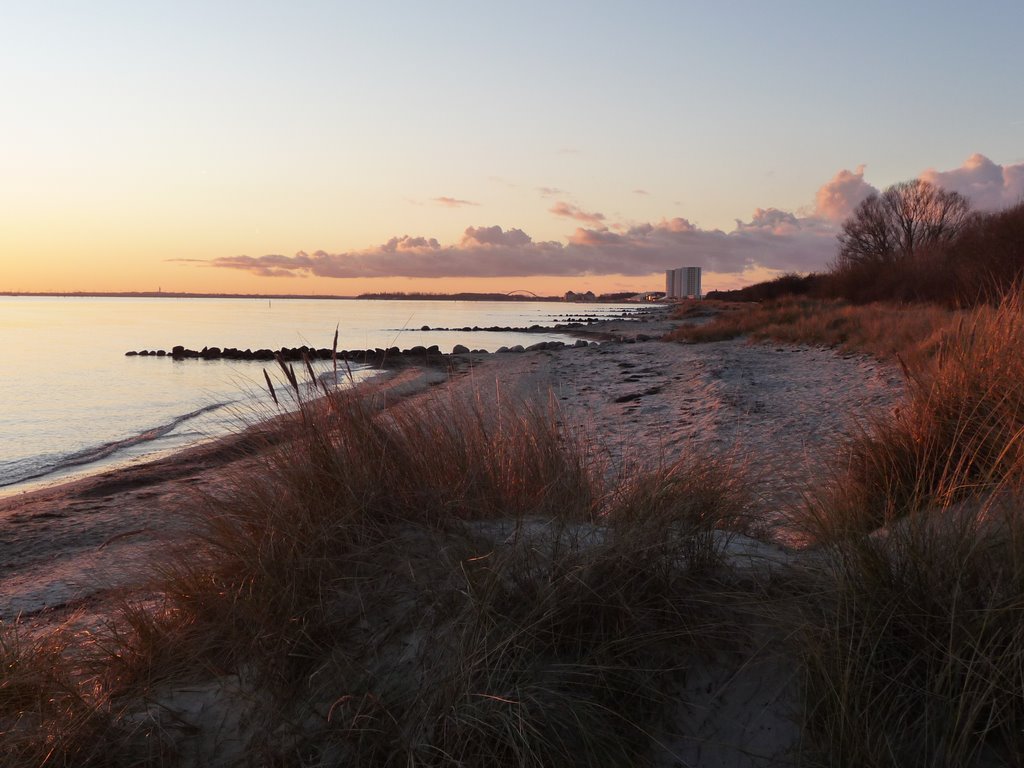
71, 402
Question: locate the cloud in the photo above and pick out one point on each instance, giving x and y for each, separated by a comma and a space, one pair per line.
495, 236
770, 220
641, 192
988, 185
836, 199
549, 191
770, 241
771, 238
452, 202
570, 211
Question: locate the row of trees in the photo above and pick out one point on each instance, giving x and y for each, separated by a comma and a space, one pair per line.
918, 242
913, 242
904, 220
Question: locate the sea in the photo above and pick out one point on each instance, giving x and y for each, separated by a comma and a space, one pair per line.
73, 404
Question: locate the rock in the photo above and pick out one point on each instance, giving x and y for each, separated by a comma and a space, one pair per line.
501, 350
425, 328
458, 349
516, 348
132, 353
581, 343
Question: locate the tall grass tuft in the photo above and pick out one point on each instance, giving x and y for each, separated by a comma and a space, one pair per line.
55, 707
882, 330
912, 647
958, 437
444, 584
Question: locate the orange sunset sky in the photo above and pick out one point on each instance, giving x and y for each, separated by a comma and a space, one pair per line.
336, 148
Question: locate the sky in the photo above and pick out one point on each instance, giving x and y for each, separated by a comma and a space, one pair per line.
342, 147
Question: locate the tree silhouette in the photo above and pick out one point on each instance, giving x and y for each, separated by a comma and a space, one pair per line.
906, 219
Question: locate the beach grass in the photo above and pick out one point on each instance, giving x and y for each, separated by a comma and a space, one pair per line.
910, 644
882, 330
958, 437
908, 615
435, 585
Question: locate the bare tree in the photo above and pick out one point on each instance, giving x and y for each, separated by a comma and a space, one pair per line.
905, 219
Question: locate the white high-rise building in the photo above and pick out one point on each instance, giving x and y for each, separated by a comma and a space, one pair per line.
682, 283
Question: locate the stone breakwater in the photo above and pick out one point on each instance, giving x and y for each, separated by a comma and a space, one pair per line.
577, 326
377, 357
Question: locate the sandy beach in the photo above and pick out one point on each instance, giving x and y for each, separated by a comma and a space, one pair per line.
777, 410
70, 552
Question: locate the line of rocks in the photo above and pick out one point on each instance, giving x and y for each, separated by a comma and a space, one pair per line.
496, 328
569, 325
376, 356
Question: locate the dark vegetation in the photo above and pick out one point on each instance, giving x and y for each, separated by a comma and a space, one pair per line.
780, 287
912, 243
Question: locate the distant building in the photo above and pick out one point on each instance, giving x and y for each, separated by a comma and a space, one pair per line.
682, 283
573, 296
647, 296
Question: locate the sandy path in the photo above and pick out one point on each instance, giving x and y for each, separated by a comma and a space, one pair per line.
779, 410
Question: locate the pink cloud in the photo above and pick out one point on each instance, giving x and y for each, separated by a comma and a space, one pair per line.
570, 211
837, 199
475, 236
770, 220
452, 202
988, 185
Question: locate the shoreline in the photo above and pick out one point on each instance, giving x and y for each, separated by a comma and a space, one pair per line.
367, 364
774, 410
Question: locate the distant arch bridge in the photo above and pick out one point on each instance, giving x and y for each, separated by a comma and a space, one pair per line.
522, 292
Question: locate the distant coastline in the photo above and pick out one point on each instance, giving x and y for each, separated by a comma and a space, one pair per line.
395, 296
165, 295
